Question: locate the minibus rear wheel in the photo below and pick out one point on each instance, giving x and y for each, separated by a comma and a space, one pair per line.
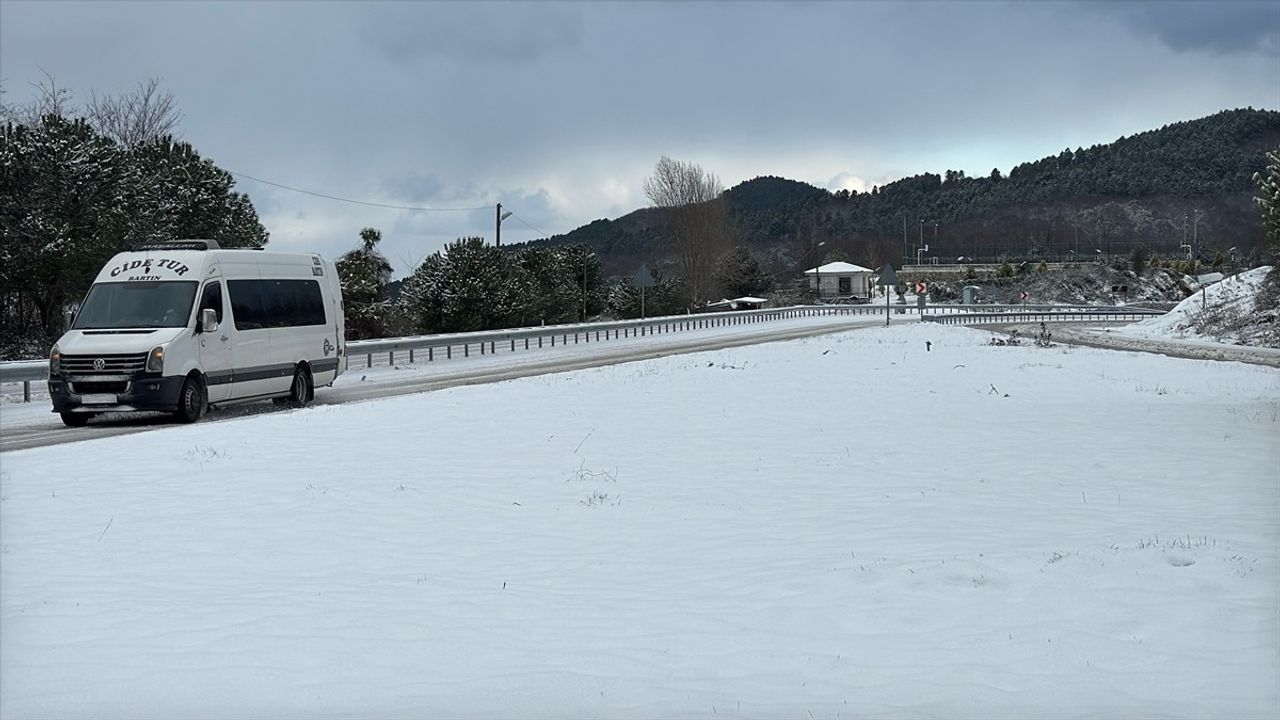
300, 393
191, 401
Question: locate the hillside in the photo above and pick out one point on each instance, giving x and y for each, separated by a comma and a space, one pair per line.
1188, 179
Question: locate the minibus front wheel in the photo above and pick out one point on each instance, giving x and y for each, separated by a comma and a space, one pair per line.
191, 400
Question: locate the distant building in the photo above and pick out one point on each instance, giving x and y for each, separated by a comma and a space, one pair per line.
839, 280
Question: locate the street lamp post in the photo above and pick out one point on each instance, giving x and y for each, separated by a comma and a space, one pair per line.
1195, 223
817, 271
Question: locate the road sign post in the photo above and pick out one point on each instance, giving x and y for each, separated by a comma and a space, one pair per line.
644, 279
888, 278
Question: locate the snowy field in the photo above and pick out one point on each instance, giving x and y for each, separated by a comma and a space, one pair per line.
842, 526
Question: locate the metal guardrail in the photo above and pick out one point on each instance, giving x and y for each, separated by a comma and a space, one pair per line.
487, 342
1128, 315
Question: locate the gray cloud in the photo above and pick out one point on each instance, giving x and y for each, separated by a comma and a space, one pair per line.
1218, 26
495, 33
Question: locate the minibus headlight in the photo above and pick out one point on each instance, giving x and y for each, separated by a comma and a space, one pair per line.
155, 359
55, 361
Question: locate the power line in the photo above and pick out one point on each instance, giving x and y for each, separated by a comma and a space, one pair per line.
358, 202
545, 235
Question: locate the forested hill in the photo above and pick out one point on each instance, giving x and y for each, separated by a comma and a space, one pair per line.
1107, 198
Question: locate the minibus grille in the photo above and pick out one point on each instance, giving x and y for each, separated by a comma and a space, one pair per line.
103, 364
114, 387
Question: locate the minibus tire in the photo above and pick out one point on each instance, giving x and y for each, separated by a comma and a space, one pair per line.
300, 391
191, 401
71, 419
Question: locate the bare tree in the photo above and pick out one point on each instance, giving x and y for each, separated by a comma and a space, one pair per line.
698, 213
8, 113
49, 100
131, 119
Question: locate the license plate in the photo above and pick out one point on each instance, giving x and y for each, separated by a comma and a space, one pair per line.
98, 399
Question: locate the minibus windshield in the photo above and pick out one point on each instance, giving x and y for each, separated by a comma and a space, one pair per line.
136, 305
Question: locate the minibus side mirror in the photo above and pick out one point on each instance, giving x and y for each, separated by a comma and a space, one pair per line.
208, 320
68, 319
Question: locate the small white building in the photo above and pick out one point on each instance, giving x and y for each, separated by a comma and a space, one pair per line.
841, 280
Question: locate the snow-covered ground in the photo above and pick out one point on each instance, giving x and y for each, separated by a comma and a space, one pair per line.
843, 526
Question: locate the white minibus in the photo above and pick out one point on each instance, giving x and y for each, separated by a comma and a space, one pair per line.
181, 326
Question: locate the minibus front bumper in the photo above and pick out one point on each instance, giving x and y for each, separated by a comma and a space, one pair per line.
114, 393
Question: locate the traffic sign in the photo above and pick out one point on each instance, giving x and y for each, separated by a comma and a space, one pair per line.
643, 278
887, 276
921, 287
1023, 295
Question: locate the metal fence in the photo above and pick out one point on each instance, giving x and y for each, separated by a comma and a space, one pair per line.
430, 348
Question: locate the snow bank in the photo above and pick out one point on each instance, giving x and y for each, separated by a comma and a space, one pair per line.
843, 526
1203, 315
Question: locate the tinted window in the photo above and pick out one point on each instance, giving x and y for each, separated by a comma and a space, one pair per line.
275, 303
211, 300
137, 305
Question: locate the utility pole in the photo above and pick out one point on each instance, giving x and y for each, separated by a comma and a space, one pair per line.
497, 225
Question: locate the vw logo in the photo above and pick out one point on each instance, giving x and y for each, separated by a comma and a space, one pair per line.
99, 363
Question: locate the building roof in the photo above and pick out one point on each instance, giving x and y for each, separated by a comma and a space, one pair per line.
838, 268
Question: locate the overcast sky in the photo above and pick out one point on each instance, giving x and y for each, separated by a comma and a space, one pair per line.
559, 111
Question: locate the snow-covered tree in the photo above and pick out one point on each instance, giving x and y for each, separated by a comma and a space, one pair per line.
738, 274
467, 286
364, 272
662, 298
1268, 199
70, 198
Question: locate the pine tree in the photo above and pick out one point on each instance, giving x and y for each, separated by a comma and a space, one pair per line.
1268, 199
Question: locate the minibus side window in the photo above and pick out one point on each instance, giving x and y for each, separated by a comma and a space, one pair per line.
246, 304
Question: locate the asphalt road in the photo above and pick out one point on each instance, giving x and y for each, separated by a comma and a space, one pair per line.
1087, 335
20, 437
